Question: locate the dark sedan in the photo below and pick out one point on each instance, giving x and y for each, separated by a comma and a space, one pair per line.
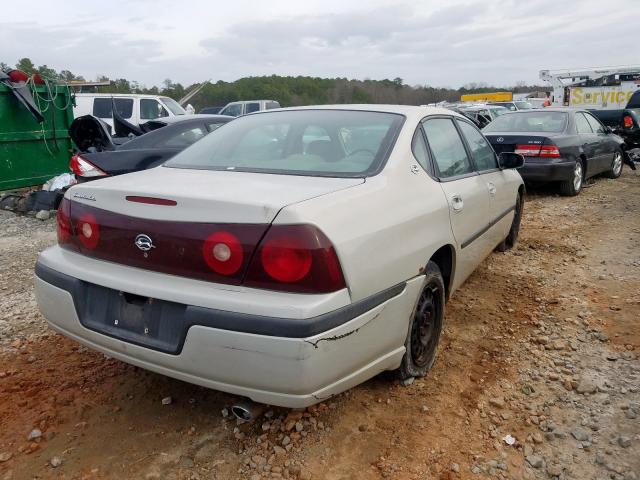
166, 138
566, 146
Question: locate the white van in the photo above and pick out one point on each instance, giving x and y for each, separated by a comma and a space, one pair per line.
235, 109
134, 108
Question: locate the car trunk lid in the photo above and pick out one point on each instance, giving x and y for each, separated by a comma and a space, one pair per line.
507, 142
170, 220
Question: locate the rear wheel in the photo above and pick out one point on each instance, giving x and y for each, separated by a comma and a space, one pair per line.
425, 328
572, 186
616, 165
512, 238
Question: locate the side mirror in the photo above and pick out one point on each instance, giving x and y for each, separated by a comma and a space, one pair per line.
510, 160
608, 130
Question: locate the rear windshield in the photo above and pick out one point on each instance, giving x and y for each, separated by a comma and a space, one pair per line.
174, 106
523, 105
530, 121
336, 143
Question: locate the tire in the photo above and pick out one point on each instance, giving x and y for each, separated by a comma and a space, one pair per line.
616, 165
572, 186
425, 327
512, 237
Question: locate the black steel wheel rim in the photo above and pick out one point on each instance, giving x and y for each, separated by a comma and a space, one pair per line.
424, 329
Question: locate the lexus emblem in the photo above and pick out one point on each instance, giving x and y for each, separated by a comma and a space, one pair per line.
144, 242
500, 139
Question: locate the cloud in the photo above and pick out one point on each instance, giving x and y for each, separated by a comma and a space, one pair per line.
492, 41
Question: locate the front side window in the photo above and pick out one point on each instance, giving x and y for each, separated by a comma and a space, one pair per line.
151, 109
102, 107
448, 150
234, 110
582, 125
482, 153
338, 143
596, 126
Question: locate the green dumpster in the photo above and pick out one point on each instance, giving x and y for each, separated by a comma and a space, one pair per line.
31, 152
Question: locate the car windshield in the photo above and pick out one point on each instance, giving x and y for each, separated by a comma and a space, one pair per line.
533, 121
523, 105
174, 106
337, 143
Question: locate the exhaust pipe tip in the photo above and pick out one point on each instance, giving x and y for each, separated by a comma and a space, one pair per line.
246, 410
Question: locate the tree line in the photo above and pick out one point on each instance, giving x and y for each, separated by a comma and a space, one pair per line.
288, 90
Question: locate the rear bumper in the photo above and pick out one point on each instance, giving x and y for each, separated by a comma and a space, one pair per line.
547, 170
238, 354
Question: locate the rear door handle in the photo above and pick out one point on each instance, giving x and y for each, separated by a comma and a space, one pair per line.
492, 188
456, 203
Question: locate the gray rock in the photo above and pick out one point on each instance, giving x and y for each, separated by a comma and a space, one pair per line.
580, 435
43, 215
167, 401
455, 467
55, 462
35, 433
535, 461
624, 441
586, 384
5, 456
476, 470
497, 402
554, 470
407, 381
186, 462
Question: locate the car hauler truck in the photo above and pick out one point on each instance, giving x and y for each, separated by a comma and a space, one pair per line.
606, 88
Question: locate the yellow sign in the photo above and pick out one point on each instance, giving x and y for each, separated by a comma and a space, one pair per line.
487, 97
602, 96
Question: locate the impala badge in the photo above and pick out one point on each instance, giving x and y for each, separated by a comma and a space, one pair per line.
144, 242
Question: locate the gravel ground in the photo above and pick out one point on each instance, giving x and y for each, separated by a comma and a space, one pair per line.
538, 377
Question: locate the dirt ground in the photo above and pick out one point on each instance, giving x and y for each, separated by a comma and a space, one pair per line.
541, 349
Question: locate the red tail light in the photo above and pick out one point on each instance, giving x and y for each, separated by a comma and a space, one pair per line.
64, 221
84, 168
532, 150
549, 151
627, 121
88, 231
295, 258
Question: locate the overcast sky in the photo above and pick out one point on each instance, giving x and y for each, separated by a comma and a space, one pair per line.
439, 43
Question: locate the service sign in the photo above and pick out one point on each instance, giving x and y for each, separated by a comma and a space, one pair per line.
602, 97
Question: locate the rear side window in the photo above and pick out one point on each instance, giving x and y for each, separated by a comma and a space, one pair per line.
419, 148
272, 105
481, 151
582, 126
102, 107
596, 126
253, 107
447, 148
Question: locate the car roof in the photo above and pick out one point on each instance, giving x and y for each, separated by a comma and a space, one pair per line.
407, 110
195, 116
549, 109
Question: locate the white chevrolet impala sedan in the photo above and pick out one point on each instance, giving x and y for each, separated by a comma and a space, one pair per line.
289, 255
